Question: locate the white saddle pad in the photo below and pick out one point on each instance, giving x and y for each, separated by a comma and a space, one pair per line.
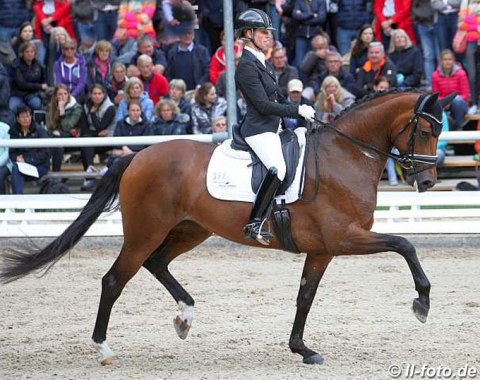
229, 176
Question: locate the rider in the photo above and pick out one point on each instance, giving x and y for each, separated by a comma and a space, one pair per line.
255, 77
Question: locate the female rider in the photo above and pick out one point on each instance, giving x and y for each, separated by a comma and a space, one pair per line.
255, 77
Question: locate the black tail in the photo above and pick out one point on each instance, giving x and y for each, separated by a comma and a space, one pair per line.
19, 264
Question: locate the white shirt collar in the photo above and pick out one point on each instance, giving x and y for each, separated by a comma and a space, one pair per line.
258, 54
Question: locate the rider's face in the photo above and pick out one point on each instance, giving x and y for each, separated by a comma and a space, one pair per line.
263, 38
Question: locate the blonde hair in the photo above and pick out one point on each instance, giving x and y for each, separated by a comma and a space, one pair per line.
53, 115
130, 83
178, 83
321, 102
402, 33
166, 102
103, 45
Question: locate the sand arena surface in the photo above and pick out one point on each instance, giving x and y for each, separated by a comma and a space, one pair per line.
360, 321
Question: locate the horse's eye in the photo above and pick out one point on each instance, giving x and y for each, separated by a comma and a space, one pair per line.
424, 134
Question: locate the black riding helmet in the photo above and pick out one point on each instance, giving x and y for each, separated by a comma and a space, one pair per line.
252, 19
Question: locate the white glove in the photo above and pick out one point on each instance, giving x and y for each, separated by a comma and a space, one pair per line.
307, 112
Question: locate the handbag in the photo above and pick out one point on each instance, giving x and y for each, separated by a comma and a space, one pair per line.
460, 42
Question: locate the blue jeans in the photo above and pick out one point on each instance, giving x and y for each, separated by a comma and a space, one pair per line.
87, 33
34, 102
106, 24
4, 173
472, 70
445, 30
458, 110
18, 179
344, 39
276, 21
302, 46
430, 50
7, 33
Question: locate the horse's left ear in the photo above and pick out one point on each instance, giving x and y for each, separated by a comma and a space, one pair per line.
447, 100
426, 102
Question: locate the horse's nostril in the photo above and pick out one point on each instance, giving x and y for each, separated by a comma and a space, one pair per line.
428, 183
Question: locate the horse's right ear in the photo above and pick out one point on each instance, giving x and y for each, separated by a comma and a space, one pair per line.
447, 100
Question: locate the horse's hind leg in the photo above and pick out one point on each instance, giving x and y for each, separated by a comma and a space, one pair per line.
182, 238
365, 242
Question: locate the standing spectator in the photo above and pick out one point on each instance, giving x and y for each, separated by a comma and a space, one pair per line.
332, 99
146, 45
352, 14
25, 33
134, 124
283, 71
207, 106
62, 120
311, 16
99, 66
469, 21
448, 78
446, 21
376, 65
168, 120
71, 70
116, 88
407, 58
188, 61
314, 62
50, 14
390, 15
134, 90
154, 83
5, 163
218, 61
12, 14
124, 46
359, 53
5, 113
26, 128
97, 120
135, 18
294, 96
28, 79
107, 19
423, 17
83, 14
211, 21
334, 68
178, 17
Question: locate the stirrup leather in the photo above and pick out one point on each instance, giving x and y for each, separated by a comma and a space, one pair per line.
253, 231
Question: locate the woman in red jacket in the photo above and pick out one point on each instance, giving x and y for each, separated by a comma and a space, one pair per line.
389, 17
448, 78
52, 14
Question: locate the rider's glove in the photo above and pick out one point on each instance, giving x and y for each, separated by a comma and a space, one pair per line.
307, 112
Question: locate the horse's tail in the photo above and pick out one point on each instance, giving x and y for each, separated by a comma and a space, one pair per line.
19, 264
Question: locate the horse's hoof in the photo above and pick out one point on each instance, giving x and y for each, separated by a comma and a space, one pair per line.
181, 327
108, 361
420, 310
314, 359
107, 356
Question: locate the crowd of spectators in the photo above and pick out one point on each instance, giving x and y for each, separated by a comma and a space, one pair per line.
99, 68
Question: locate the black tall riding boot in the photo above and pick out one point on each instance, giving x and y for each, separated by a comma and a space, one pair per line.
261, 208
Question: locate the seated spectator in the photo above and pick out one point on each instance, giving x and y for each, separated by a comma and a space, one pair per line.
283, 71
134, 124
335, 69
12, 14
58, 37
146, 45
135, 18
71, 70
50, 14
219, 124
97, 120
449, 77
116, 88
176, 92
5, 163
359, 54
377, 64
314, 62
26, 128
134, 90
207, 106
407, 58
99, 65
294, 96
381, 84
62, 120
25, 33
168, 120
154, 83
28, 79
5, 113
218, 62
188, 60
332, 99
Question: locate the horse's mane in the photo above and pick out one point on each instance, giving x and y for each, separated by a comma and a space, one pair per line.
375, 95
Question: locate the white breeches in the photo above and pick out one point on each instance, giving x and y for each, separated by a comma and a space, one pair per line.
268, 148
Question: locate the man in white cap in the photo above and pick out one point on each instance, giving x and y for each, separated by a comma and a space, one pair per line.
294, 96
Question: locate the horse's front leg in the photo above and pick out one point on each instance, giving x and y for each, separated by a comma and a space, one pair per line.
359, 242
313, 271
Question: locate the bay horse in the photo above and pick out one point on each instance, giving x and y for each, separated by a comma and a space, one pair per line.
167, 210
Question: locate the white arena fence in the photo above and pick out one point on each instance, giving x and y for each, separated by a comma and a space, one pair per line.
48, 215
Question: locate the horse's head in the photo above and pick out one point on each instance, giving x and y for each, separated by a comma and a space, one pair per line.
417, 140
